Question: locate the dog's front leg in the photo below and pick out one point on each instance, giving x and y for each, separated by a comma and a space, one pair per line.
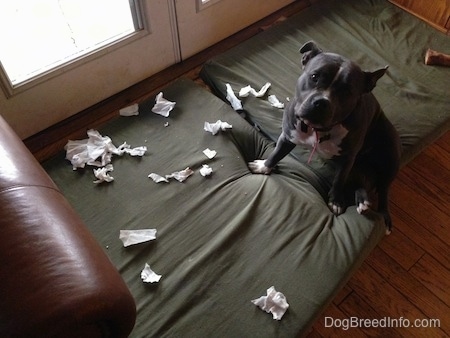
283, 147
336, 196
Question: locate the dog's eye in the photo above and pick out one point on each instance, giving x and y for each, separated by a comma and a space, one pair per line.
314, 77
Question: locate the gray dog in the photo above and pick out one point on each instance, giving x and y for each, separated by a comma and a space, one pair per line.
335, 113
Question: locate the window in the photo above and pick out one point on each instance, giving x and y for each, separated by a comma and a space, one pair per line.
202, 4
38, 36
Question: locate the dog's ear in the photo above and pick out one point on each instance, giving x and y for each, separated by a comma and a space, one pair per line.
309, 50
371, 78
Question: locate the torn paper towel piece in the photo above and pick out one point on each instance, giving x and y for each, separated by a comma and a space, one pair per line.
206, 170
273, 100
214, 128
102, 174
181, 175
209, 153
162, 106
275, 302
246, 91
231, 97
130, 237
97, 150
158, 178
148, 275
130, 110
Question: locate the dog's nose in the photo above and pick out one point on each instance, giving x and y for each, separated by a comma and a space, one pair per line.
320, 103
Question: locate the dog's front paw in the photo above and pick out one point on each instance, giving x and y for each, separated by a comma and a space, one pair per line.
362, 201
336, 207
259, 167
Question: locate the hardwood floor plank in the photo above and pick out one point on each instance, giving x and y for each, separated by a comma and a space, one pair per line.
435, 278
401, 249
354, 306
411, 199
406, 222
389, 302
432, 304
333, 315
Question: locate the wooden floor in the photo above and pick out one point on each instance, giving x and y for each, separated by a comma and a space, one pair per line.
407, 277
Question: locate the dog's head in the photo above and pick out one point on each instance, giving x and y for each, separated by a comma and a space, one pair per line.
329, 87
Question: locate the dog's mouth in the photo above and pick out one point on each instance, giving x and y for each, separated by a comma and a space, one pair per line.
305, 124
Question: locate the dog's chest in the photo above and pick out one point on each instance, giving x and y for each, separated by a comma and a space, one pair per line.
326, 144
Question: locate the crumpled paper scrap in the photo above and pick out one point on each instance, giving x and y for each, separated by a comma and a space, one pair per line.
246, 91
97, 150
273, 100
130, 110
162, 106
214, 128
275, 302
209, 153
102, 174
131, 237
148, 275
231, 97
205, 170
158, 178
180, 176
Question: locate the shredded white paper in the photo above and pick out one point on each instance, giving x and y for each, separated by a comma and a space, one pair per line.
97, 150
273, 100
158, 178
131, 237
102, 174
231, 97
206, 170
162, 106
180, 176
130, 110
148, 275
246, 91
275, 302
209, 153
214, 128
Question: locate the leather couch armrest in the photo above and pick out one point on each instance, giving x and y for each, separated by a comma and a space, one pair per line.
55, 279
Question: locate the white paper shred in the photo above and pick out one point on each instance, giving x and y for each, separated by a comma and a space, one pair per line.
275, 302
273, 100
181, 175
206, 170
148, 275
158, 178
209, 153
131, 237
97, 150
162, 106
102, 174
214, 128
246, 91
231, 97
130, 110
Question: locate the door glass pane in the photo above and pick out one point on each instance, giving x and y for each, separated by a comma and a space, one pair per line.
38, 35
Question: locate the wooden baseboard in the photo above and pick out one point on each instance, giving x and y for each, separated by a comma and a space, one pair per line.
52, 140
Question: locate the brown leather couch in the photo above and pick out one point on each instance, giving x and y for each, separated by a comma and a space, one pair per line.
55, 279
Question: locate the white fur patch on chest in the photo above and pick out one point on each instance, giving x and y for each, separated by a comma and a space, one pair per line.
327, 144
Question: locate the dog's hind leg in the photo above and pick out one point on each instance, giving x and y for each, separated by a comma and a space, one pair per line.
383, 207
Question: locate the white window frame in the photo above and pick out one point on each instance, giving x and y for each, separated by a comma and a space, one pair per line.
142, 28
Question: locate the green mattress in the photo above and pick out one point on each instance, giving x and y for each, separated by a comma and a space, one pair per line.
221, 240
373, 33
